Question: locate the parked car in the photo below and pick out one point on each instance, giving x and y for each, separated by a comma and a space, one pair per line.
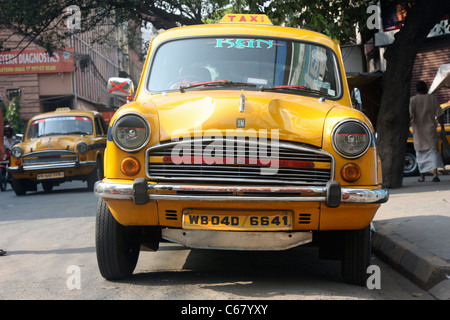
411, 167
241, 136
59, 146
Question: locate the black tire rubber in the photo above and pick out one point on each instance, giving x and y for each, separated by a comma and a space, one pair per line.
411, 166
96, 174
19, 187
356, 256
3, 179
47, 186
116, 245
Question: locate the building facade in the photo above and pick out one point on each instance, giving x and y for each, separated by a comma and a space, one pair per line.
431, 55
74, 77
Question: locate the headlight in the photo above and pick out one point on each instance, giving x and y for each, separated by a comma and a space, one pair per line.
351, 138
17, 152
82, 147
131, 132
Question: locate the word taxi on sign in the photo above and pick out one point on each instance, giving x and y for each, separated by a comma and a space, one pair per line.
246, 18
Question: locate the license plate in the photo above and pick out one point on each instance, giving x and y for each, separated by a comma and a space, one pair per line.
196, 220
52, 175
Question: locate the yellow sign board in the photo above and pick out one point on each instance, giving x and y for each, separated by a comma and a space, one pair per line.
246, 18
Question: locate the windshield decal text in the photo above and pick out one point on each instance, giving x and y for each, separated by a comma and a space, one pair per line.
244, 43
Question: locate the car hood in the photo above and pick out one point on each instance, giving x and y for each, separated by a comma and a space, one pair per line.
56, 142
295, 118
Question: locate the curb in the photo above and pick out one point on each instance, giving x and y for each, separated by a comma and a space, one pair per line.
417, 264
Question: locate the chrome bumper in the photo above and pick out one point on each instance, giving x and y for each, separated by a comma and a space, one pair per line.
63, 165
333, 194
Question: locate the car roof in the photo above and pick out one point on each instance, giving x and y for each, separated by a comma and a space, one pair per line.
244, 29
66, 112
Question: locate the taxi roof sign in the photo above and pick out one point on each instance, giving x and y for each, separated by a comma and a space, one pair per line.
246, 18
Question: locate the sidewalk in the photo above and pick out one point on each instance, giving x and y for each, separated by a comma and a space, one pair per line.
412, 233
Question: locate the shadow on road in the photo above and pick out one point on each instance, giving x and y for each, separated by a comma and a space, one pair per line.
243, 273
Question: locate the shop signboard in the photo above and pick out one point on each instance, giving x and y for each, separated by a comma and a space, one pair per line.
36, 61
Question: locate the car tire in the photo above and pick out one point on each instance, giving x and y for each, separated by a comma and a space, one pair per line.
411, 167
96, 174
3, 179
116, 245
356, 256
19, 187
47, 186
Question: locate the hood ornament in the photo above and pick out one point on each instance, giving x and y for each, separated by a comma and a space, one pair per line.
241, 103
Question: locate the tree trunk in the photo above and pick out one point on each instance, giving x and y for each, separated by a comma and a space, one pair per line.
393, 118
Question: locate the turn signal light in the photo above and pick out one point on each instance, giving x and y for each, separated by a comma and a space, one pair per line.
350, 172
130, 166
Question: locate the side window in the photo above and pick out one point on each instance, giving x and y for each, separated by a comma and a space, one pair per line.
98, 127
447, 116
103, 125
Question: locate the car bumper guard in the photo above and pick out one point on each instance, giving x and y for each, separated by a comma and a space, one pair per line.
63, 165
140, 191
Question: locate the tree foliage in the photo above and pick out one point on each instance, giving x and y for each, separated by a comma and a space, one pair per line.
337, 18
45, 22
12, 115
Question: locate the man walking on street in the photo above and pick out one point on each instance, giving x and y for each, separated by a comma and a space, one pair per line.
424, 110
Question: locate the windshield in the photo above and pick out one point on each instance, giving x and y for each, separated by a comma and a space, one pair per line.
60, 125
262, 62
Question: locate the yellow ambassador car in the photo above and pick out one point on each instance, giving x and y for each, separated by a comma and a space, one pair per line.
241, 136
59, 146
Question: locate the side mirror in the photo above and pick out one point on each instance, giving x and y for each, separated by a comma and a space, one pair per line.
19, 137
121, 87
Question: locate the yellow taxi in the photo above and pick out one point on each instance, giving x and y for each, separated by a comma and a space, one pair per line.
240, 136
411, 167
59, 146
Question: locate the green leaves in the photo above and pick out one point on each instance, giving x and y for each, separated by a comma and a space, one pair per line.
44, 22
12, 115
336, 18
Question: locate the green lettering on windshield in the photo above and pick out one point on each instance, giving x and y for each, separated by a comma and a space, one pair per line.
244, 43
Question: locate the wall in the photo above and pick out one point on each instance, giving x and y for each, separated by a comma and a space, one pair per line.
435, 51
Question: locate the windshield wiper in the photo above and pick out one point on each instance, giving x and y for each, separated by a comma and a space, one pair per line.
50, 134
216, 83
296, 88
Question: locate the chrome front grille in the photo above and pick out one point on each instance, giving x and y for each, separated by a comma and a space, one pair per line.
47, 157
297, 164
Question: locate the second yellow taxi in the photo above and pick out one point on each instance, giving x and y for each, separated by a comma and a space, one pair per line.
59, 146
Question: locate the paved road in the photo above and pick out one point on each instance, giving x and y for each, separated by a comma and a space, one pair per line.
51, 255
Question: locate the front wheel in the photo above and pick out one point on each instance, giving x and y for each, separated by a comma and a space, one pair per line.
411, 167
117, 246
3, 179
47, 186
96, 174
19, 186
356, 256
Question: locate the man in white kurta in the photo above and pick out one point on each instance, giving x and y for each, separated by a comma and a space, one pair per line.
424, 110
